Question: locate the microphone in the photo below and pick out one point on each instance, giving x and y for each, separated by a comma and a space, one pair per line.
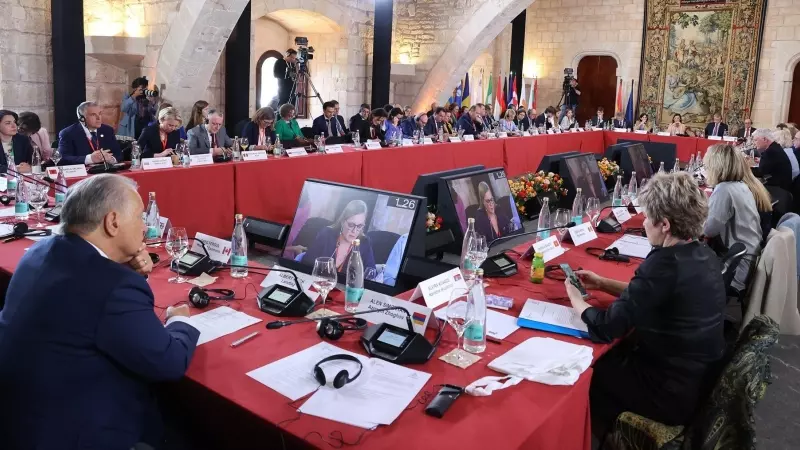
20, 228
294, 275
32, 179
283, 323
527, 233
202, 244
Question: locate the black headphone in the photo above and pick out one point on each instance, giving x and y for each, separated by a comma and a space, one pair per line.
607, 254
343, 377
334, 329
199, 297
5, 200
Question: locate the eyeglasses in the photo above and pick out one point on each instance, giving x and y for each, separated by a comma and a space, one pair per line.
353, 227
489, 202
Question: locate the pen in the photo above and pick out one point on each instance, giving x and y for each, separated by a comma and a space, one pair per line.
244, 339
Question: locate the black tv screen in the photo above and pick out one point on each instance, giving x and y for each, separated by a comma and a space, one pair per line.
582, 172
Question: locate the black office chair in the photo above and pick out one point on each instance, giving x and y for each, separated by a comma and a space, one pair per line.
730, 262
310, 230
382, 243
307, 132
782, 203
796, 195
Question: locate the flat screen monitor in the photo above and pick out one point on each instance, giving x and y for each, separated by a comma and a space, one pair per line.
486, 197
639, 162
427, 185
550, 163
659, 151
330, 216
582, 172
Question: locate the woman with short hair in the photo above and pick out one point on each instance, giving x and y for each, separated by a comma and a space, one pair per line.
260, 130
507, 122
287, 128
669, 316
160, 140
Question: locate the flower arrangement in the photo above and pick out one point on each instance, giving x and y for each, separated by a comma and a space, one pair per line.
532, 185
433, 222
608, 168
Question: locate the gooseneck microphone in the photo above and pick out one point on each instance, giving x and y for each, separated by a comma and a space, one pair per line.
527, 233
283, 323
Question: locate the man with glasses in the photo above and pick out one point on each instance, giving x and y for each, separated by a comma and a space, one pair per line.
211, 138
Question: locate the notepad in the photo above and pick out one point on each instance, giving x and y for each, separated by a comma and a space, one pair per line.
635, 246
545, 316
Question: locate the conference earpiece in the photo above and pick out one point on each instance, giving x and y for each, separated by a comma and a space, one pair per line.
5, 200
200, 298
343, 377
607, 254
334, 329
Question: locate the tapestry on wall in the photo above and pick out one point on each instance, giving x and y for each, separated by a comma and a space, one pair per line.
700, 58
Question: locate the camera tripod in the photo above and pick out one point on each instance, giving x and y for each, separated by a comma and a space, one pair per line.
302, 76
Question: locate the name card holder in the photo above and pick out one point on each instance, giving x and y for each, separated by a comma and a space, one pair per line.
157, 163
78, 170
294, 152
469, 138
204, 159
254, 155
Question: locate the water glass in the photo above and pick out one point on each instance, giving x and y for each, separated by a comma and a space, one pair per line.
324, 274
56, 156
177, 245
560, 220
356, 138
460, 314
37, 200
593, 209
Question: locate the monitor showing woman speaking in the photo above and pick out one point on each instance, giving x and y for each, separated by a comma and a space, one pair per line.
486, 197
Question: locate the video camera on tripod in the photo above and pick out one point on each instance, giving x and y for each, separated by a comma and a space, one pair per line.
567, 78
304, 52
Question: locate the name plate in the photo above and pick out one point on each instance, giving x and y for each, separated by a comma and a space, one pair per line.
714, 138
662, 133
286, 280
218, 249
254, 155
334, 149
372, 145
502, 134
621, 130
573, 130
729, 138
373, 300
582, 233
408, 142
156, 163
550, 131
436, 291
534, 132
621, 214
204, 159
550, 248
294, 152
491, 136
597, 129
427, 140
640, 131
4, 183
525, 133
79, 170
455, 139
557, 130
468, 138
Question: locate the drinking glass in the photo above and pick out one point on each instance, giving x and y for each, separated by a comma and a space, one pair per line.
56, 156
243, 143
560, 221
37, 200
593, 209
460, 314
356, 138
477, 251
324, 274
626, 198
177, 245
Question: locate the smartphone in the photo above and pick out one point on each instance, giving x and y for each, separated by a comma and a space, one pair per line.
573, 279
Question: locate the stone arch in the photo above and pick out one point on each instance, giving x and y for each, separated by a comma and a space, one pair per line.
582, 54
787, 57
471, 39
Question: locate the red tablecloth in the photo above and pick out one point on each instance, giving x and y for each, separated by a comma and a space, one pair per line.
611, 137
529, 415
523, 155
703, 144
564, 142
490, 153
396, 169
593, 142
271, 189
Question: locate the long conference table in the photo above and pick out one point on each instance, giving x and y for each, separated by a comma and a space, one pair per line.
228, 409
206, 198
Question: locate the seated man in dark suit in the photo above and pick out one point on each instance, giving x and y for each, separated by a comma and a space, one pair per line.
619, 121
327, 124
774, 165
598, 121
372, 129
89, 141
716, 128
211, 138
546, 118
81, 347
13, 143
357, 120
468, 120
413, 124
747, 130
435, 122
342, 126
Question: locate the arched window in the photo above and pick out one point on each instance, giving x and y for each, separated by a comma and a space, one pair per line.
267, 84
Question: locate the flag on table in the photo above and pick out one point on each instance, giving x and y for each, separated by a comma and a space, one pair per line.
534, 88
514, 98
458, 93
490, 91
465, 97
619, 98
501, 98
629, 109
523, 102
479, 93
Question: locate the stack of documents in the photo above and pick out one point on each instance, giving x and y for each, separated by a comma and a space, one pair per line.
545, 360
630, 245
551, 317
377, 397
219, 322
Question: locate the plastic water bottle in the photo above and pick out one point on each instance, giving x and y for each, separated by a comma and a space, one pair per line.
61, 189
278, 149
136, 156
469, 235
661, 168
544, 220
11, 187
690, 167
21, 200
36, 160
151, 221
577, 207
354, 287
616, 200
676, 167
475, 334
238, 249
633, 188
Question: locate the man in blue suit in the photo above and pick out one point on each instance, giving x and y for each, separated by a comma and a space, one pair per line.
327, 124
80, 344
89, 141
467, 121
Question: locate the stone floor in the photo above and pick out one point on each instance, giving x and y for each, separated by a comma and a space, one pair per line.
778, 415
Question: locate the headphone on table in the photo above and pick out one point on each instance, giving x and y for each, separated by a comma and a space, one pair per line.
343, 377
608, 254
5, 200
334, 329
199, 297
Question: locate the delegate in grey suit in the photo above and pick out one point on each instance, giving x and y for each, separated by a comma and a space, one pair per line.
199, 141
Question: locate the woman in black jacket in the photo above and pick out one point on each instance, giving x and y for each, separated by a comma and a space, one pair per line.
160, 139
669, 316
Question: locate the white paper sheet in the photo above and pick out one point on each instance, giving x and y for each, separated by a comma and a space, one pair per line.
545, 360
382, 392
7, 212
56, 229
636, 246
219, 322
553, 314
292, 376
498, 325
